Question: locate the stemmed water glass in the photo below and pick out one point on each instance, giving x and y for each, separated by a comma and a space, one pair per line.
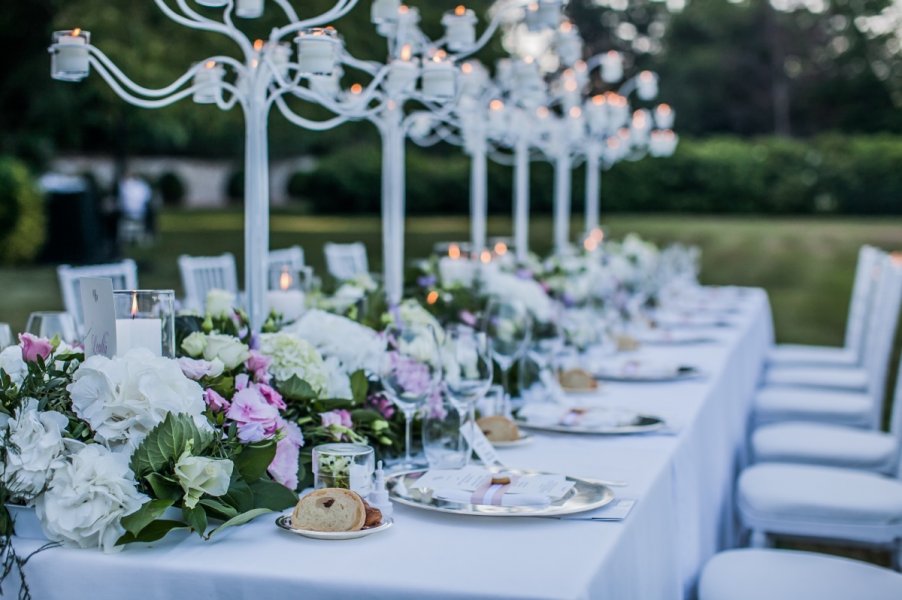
507, 325
468, 373
410, 373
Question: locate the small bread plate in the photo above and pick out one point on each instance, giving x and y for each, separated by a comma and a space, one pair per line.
525, 438
585, 494
595, 420
646, 372
284, 522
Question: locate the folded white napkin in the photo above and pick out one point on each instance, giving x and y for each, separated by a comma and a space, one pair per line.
492, 497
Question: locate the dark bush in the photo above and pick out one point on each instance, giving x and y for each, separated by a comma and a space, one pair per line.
172, 188
21, 213
235, 188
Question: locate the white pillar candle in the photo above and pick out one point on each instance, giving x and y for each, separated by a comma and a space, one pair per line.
456, 271
438, 78
473, 78
596, 111
611, 67
664, 116
288, 303
568, 44
69, 61
139, 333
280, 55
497, 118
207, 79
249, 9
383, 11
612, 150
647, 85
318, 50
460, 28
576, 126
618, 111
403, 72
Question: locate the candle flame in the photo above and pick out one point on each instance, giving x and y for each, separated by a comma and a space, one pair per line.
664, 109
466, 68
646, 75
76, 32
597, 234
500, 248
598, 100
210, 64
356, 89
590, 244
613, 143
403, 9
134, 310
570, 85
454, 251
258, 45
439, 56
896, 258
528, 59
284, 280
432, 297
406, 52
533, 7
566, 27
460, 10
613, 54
576, 112
486, 257
542, 112
496, 104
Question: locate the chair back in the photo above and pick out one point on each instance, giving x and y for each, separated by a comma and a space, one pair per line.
882, 331
863, 289
200, 274
123, 274
287, 258
346, 261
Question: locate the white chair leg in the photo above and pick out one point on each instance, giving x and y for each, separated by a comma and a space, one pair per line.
759, 539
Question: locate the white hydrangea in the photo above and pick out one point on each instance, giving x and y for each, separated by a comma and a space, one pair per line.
13, 364
527, 291
34, 447
354, 345
87, 498
123, 398
292, 356
339, 385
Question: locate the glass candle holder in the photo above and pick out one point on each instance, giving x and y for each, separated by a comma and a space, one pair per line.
342, 465
69, 55
318, 50
287, 286
145, 319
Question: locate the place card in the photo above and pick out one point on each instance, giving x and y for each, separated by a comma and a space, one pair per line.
98, 315
480, 444
467, 478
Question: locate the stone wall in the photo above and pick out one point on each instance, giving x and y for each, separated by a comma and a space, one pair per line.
205, 181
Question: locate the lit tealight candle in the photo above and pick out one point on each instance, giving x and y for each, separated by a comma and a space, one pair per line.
473, 78
596, 111
611, 67
69, 61
403, 72
438, 77
568, 44
286, 301
206, 82
575, 124
248, 9
497, 117
139, 332
460, 28
318, 50
664, 116
647, 85
612, 150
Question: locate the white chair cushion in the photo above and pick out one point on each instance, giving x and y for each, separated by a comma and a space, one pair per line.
814, 494
799, 355
757, 574
828, 445
777, 404
833, 377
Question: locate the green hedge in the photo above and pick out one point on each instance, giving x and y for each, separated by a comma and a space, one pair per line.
839, 174
21, 213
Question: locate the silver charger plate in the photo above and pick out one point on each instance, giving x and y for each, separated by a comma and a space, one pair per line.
584, 495
682, 375
642, 424
284, 522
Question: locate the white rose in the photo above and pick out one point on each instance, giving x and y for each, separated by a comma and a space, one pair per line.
194, 344
12, 363
199, 475
219, 303
34, 447
230, 350
88, 496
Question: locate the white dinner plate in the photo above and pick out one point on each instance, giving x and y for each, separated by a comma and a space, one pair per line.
525, 438
284, 522
646, 372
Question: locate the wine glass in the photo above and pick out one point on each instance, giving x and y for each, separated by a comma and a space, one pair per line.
468, 373
47, 324
410, 373
507, 326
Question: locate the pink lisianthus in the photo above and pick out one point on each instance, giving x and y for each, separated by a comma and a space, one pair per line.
434, 404
284, 466
34, 346
241, 381
273, 398
197, 369
382, 404
258, 364
256, 418
339, 417
215, 401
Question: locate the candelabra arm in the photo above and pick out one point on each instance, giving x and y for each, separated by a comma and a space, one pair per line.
131, 98
336, 12
507, 160
194, 20
367, 66
288, 9
307, 123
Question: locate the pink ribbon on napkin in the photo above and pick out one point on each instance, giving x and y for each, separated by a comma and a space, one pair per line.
491, 493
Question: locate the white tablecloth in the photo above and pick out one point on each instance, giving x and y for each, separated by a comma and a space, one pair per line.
683, 484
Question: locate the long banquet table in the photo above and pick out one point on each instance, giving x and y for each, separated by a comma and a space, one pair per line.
682, 482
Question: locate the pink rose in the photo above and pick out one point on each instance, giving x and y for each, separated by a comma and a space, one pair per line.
284, 466
216, 402
338, 417
258, 364
33, 347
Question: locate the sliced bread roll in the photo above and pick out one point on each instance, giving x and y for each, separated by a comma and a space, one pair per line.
499, 429
329, 509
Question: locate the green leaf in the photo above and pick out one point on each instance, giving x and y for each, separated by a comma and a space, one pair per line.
359, 386
166, 442
240, 519
141, 518
218, 510
239, 495
272, 495
363, 416
254, 459
333, 404
151, 533
163, 487
197, 518
297, 389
